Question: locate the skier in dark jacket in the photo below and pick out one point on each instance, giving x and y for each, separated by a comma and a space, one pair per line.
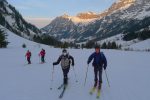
65, 60
42, 54
99, 62
28, 55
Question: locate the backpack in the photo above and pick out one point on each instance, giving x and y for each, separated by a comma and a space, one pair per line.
65, 62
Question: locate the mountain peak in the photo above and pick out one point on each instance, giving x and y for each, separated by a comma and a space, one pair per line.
122, 4
125, 1
118, 5
65, 15
87, 15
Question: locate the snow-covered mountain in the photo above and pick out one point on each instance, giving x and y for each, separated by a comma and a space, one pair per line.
12, 20
69, 27
66, 26
124, 16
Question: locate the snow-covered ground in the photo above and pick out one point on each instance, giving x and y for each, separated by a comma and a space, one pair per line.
128, 73
134, 44
141, 45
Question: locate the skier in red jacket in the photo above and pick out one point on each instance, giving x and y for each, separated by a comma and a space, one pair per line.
28, 56
42, 54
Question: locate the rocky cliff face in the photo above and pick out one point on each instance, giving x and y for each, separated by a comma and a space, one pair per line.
12, 20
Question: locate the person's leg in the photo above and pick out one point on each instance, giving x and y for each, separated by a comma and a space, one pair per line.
95, 74
65, 72
42, 59
28, 59
100, 77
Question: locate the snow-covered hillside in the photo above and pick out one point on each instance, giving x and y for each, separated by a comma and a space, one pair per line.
11, 19
143, 45
128, 73
135, 44
15, 40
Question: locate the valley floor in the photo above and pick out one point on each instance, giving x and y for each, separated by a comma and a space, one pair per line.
128, 73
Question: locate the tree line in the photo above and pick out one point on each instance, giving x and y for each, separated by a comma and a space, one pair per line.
104, 45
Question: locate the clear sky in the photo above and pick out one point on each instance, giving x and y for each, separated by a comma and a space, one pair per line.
40, 12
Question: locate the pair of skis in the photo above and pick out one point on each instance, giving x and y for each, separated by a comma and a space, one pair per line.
98, 92
63, 87
32, 64
63, 91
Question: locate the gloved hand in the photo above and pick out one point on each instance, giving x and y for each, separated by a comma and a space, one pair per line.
88, 62
104, 67
73, 64
53, 63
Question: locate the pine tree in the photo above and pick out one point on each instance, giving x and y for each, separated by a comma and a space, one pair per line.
3, 42
65, 45
90, 44
82, 46
109, 45
113, 45
104, 45
119, 47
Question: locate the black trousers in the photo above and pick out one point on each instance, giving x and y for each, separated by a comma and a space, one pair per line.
98, 73
43, 59
65, 74
28, 59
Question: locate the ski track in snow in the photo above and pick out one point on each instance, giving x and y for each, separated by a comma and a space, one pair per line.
128, 73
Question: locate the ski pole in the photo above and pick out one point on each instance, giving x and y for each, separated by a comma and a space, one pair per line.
107, 78
39, 58
86, 75
75, 74
25, 60
52, 78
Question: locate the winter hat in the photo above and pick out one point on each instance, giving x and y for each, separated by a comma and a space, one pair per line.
97, 47
64, 51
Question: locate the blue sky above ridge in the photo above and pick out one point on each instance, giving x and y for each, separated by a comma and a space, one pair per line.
41, 12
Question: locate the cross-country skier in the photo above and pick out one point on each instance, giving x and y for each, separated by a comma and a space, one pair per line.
65, 60
28, 56
42, 54
99, 62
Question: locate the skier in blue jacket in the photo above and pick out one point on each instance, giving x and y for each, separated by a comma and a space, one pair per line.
99, 62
